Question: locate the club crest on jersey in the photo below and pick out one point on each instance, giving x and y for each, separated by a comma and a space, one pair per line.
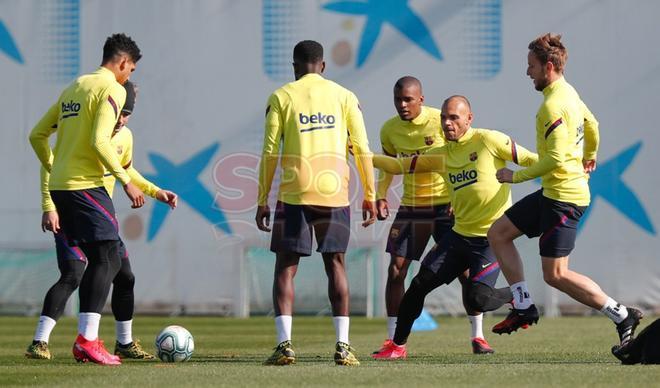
394, 233
473, 157
428, 140
120, 149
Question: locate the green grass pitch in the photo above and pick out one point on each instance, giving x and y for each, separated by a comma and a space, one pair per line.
562, 352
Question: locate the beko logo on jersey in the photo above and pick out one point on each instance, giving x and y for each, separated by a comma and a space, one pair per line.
407, 155
463, 178
323, 121
70, 109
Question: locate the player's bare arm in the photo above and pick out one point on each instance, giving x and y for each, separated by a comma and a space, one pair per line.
50, 221
262, 218
368, 212
504, 175
589, 165
383, 209
167, 197
135, 195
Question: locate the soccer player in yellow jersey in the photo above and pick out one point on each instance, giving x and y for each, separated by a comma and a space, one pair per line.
425, 209
468, 163
567, 141
71, 261
312, 119
84, 117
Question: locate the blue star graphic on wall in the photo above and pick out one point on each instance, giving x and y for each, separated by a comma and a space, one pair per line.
607, 183
183, 179
397, 13
7, 44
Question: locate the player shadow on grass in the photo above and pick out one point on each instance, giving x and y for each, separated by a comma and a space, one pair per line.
259, 359
435, 359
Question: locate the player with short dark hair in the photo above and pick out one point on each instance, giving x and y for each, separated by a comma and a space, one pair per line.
312, 120
567, 142
71, 261
425, 210
118, 45
84, 118
467, 162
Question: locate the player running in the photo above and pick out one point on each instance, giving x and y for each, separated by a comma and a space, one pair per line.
425, 210
313, 119
468, 163
84, 118
567, 141
71, 261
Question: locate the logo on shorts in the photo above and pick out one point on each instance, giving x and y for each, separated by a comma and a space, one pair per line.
428, 140
473, 157
394, 233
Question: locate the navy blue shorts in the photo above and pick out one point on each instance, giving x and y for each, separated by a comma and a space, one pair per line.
293, 225
455, 253
65, 251
413, 226
555, 221
86, 215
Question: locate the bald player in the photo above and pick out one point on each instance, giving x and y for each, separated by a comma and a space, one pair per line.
468, 163
425, 211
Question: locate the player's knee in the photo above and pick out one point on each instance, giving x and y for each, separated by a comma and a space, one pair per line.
478, 296
72, 275
124, 279
422, 283
553, 278
397, 273
495, 235
71, 281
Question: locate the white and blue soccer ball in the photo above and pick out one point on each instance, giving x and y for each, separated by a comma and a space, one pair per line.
174, 344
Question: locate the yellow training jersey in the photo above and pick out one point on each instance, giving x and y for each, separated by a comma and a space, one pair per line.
566, 133
313, 119
84, 118
469, 166
122, 143
402, 138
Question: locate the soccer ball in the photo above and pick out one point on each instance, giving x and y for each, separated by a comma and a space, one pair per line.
174, 344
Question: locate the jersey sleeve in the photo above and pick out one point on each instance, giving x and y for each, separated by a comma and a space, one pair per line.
271, 149
556, 138
47, 204
40, 134
110, 104
357, 134
385, 179
434, 160
126, 159
137, 179
505, 148
591, 134
141, 182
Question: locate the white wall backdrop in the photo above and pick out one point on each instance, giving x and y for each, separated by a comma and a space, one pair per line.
207, 70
